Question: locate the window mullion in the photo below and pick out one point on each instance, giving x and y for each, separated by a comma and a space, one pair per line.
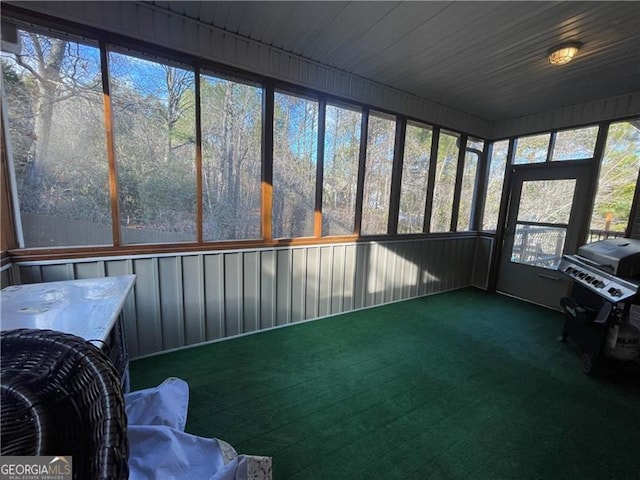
267, 162
396, 176
431, 181
361, 167
111, 156
199, 192
317, 217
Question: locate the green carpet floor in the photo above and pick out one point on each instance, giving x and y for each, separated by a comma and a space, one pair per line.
460, 385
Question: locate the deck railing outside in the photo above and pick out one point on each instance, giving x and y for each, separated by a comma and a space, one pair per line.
542, 246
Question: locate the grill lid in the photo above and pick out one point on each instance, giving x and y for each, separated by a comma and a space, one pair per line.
620, 256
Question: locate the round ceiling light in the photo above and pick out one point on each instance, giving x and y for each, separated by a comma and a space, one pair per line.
563, 54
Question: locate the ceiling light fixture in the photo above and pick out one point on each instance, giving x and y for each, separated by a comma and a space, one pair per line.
563, 54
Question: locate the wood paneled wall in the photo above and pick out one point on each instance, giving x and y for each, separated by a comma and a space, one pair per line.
187, 299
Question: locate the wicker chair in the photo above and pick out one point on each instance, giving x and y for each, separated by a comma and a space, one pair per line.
60, 395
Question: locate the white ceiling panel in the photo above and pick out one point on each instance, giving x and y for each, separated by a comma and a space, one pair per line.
487, 59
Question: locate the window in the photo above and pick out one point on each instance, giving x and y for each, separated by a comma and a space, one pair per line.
617, 181
541, 226
295, 152
377, 179
575, 144
445, 181
53, 95
495, 180
68, 177
415, 174
231, 122
340, 182
532, 149
472, 156
154, 133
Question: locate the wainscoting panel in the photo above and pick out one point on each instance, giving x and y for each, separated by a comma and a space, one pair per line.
186, 299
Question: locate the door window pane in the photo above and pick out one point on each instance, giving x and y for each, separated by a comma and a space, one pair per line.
415, 173
340, 179
53, 96
542, 201
154, 130
446, 169
575, 144
617, 181
231, 159
495, 180
546, 201
468, 189
295, 153
532, 149
377, 178
538, 245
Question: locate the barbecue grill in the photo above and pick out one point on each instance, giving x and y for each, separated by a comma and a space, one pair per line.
602, 313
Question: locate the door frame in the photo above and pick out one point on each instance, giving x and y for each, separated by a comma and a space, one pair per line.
576, 227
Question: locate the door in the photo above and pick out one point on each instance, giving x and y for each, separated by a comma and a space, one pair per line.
547, 204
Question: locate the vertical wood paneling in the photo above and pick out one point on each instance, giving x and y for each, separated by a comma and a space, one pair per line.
267, 289
298, 284
31, 274
338, 270
184, 300
361, 274
349, 289
193, 299
412, 273
429, 259
283, 287
453, 272
233, 304
214, 296
374, 273
482, 257
312, 283
171, 302
56, 273
5, 278
148, 311
114, 268
89, 270
326, 281
251, 292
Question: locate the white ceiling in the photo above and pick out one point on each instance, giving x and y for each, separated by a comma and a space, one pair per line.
487, 59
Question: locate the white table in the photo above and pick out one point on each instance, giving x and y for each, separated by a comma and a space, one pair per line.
87, 308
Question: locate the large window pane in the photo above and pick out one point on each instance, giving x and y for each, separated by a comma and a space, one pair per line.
415, 174
532, 149
617, 181
341, 153
445, 182
295, 153
154, 128
377, 179
468, 189
546, 201
53, 95
575, 144
231, 159
495, 179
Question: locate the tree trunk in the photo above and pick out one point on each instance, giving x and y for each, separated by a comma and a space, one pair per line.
50, 78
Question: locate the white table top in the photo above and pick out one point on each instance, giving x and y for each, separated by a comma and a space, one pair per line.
86, 308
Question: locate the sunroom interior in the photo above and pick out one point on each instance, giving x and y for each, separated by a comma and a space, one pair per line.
262, 164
